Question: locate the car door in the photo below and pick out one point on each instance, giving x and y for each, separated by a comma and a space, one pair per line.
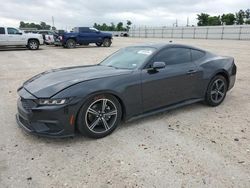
15, 37
95, 35
170, 85
3, 36
84, 36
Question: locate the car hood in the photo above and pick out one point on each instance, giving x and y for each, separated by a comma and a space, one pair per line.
48, 83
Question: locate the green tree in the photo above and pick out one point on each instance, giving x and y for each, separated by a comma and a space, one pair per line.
42, 25
214, 20
202, 19
228, 19
129, 23
119, 27
111, 27
240, 17
247, 16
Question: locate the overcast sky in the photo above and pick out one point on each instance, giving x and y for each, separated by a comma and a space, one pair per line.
68, 14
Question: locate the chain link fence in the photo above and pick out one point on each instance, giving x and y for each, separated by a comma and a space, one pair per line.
236, 32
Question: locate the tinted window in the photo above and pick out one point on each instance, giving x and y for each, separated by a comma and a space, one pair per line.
174, 56
83, 30
197, 54
2, 31
12, 31
129, 58
43, 32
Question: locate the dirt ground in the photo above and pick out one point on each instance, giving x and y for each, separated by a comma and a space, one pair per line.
193, 146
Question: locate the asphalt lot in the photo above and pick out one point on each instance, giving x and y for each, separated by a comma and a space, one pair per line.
193, 146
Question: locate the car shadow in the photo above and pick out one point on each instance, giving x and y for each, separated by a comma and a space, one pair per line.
124, 125
165, 114
77, 47
15, 49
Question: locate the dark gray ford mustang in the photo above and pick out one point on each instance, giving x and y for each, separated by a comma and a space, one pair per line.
131, 83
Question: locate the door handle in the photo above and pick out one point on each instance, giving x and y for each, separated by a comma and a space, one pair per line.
191, 72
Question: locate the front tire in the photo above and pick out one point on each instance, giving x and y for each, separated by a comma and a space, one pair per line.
33, 44
107, 42
99, 116
216, 91
71, 43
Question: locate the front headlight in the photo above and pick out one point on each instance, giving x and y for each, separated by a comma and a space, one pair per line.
51, 101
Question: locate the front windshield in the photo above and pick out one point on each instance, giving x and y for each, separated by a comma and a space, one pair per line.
128, 58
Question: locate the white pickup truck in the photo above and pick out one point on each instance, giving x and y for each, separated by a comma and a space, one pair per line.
10, 36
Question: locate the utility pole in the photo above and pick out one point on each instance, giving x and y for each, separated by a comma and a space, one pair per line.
53, 23
187, 21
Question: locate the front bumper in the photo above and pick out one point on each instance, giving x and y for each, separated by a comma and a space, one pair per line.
49, 121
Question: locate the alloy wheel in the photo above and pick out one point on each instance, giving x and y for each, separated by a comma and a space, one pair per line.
101, 116
218, 91
33, 45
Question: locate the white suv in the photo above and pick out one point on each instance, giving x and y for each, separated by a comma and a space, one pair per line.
10, 36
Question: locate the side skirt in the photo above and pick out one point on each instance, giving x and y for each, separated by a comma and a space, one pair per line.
164, 109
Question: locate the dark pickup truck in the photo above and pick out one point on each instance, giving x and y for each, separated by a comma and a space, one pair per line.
85, 36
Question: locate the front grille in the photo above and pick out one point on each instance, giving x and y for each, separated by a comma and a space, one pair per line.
28, 104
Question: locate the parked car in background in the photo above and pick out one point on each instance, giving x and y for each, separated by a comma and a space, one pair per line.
85, 36
48, 36
10, 36
58, 37
125, 34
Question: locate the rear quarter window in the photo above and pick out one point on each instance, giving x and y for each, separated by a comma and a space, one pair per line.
197, 54
2, 31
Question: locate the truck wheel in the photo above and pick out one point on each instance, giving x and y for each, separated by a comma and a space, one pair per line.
33, 44
106, 42
98, 44
71, 43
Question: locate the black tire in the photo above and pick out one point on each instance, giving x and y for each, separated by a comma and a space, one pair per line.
216, 91
70, 43
33, 44
97, 118
107, 42
99, 44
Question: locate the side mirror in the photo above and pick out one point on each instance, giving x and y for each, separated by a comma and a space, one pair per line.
158, 65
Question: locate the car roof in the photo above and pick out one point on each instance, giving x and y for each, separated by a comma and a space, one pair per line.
159, 46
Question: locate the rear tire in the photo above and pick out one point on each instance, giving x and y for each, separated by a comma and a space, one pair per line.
107, 42
216, 91
99, 116
71, 43
33, 44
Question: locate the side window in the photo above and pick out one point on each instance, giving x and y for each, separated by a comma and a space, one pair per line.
197, 54
12, 31
172, 56
2, 31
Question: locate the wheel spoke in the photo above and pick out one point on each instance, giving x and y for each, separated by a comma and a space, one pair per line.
92, 111
213, 92
220, 93
104, 103
216, 96
111, 113
216, 84
221, 86
92, 126
106, 126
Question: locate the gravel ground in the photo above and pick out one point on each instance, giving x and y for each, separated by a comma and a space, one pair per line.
193, 146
